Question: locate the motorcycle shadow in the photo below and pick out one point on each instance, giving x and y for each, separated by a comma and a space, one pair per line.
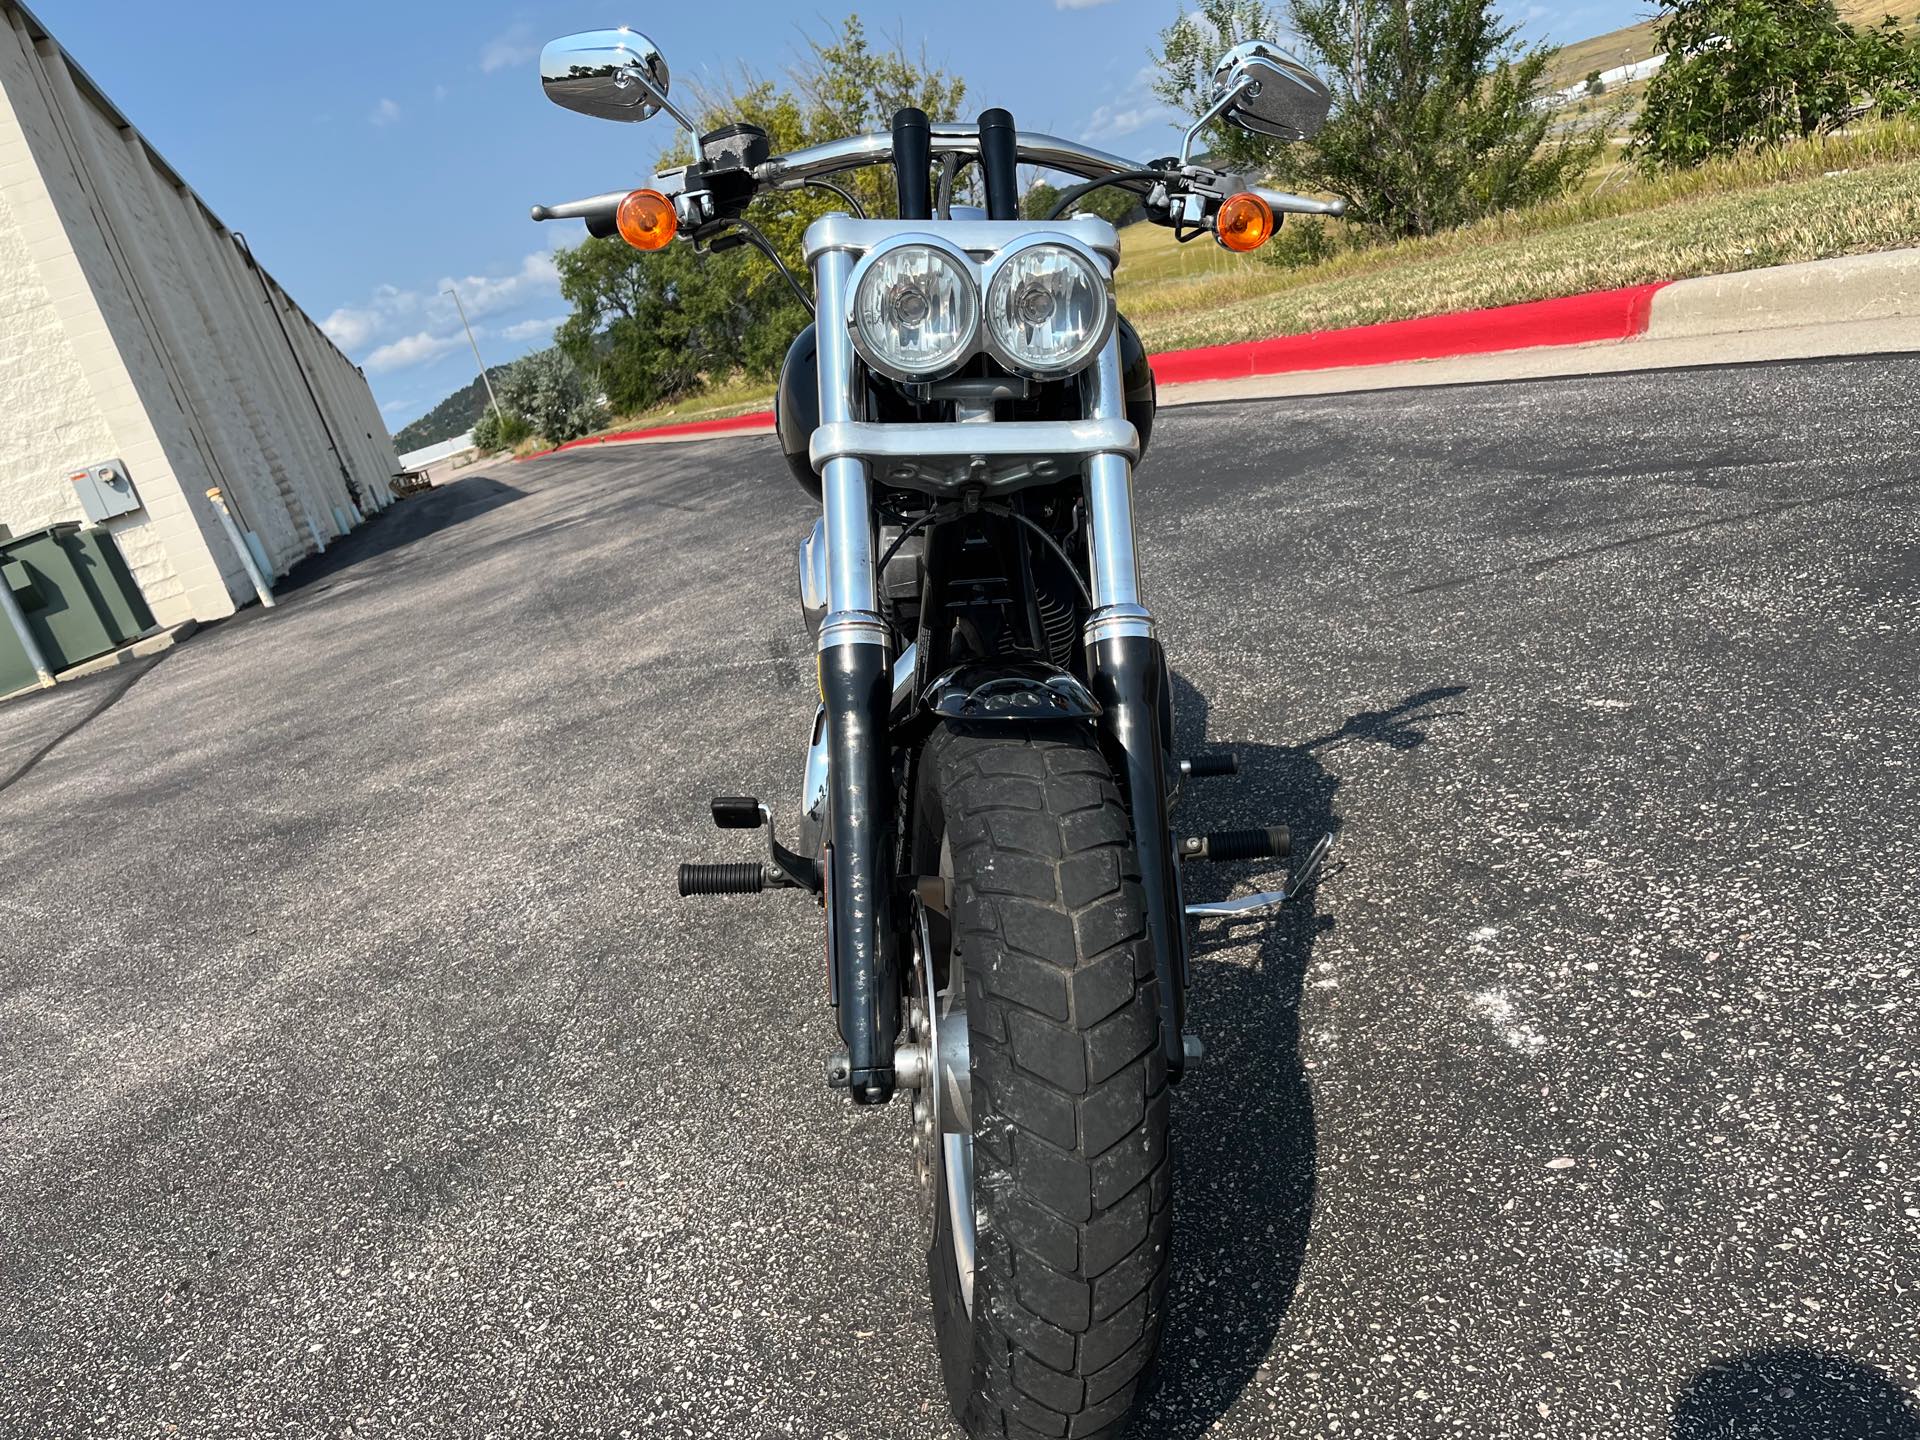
1245, 1144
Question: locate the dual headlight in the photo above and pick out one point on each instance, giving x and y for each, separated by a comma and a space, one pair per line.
922, 308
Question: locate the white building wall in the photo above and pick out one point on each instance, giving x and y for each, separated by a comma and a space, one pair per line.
133, 326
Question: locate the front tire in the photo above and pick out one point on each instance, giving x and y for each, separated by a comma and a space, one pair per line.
1046, 944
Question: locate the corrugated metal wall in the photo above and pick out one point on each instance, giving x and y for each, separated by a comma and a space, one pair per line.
137, 326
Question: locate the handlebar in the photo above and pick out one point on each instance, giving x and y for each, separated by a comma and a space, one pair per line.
815, 162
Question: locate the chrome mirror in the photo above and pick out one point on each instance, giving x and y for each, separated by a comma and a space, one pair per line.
1260, 87
609, 74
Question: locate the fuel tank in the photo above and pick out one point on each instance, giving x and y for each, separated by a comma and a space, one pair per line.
796, 406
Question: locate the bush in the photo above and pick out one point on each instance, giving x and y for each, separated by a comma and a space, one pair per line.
545, 388
499, 430
1752, 74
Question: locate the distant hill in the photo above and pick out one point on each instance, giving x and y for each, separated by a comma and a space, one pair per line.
453, 416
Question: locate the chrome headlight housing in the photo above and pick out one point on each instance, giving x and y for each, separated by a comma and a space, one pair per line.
1049, 307
916, 308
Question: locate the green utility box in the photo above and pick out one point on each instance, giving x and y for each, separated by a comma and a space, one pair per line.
77, 595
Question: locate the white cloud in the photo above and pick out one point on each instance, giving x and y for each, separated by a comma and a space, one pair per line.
1138, 110
412, 350
394, 407
385, 113
531, 329
487, 294
513, 46
390, 310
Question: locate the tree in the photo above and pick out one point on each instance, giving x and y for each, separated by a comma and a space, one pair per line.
1439, 114
653, 327
1746, 74
1189, 50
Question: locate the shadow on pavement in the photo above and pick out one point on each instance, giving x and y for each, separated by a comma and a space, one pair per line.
405, 523
1791, 1393
1245, 1145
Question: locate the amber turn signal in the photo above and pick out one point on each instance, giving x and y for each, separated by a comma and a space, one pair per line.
647, 221
1245, 222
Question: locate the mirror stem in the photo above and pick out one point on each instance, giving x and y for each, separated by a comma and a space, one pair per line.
639, 73
1214, 112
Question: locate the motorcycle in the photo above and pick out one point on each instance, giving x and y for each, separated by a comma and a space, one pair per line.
985, 806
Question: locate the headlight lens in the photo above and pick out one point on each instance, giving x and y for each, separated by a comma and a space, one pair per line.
916, 314
1048, 310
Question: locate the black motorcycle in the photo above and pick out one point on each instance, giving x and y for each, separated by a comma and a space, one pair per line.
984, 816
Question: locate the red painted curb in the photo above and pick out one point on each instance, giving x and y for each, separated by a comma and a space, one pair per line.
1575, 320
758, 420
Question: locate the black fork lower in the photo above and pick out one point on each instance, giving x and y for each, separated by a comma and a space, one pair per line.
1128, 674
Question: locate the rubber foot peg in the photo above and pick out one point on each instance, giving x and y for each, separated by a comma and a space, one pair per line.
743, 879
1208, 767
736, 812
1271, 843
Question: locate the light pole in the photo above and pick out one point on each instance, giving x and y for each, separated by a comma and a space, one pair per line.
492, 399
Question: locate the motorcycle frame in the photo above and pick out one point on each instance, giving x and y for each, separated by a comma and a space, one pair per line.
1125, 664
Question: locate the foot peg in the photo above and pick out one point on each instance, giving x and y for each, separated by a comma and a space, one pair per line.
748, 879
1245, 907
1274, 842
787, 872
1208, 767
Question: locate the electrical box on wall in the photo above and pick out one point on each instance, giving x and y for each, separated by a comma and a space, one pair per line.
105, 491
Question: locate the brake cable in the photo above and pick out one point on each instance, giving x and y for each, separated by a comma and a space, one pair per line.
1068, 198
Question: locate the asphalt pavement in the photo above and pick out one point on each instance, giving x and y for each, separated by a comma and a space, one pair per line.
360, 1074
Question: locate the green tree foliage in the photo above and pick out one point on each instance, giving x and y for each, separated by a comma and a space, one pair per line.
1189, 50
1438, 113
1747, 74
654, 327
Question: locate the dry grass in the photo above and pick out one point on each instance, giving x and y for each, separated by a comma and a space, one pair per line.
1845, 195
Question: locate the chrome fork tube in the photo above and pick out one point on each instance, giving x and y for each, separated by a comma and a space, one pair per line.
856, 689
853, 595
1129, 678
1115, 579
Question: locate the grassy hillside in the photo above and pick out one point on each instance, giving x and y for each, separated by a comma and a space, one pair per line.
1844, 195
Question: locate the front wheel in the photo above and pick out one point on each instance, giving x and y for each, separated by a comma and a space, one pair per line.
1047, 1180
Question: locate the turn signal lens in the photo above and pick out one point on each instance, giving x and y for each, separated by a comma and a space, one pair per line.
1245, 223
647, 221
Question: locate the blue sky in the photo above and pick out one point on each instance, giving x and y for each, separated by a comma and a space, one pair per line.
372, 153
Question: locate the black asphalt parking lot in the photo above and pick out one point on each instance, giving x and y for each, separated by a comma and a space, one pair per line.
361, 1075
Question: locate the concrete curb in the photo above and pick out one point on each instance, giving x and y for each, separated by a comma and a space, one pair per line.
1852, 288
139, 650
1819, 298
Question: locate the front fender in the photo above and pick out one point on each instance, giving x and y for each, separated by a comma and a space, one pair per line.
1008, 691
